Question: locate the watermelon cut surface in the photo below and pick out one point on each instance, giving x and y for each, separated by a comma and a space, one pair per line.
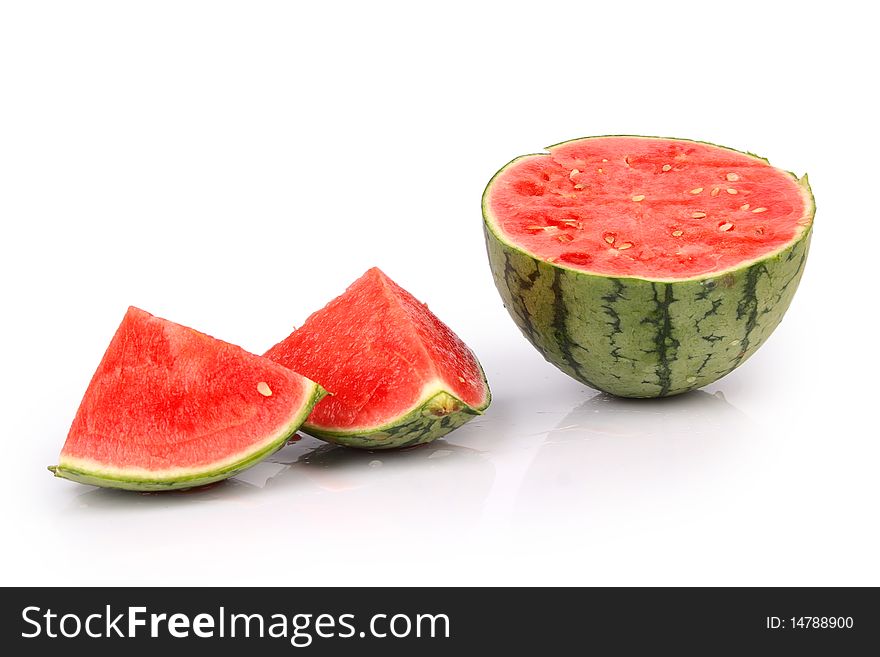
397, 375
169, 408
643, 266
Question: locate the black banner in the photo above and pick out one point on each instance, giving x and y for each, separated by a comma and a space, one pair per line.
432, 621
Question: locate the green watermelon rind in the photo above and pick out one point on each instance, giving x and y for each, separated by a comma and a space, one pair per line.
435, 415
642, 337
197, 477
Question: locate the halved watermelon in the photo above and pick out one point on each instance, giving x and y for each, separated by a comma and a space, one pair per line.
642, 266
397, 375
169, 408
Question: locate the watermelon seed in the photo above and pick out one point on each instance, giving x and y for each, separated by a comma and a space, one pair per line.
698, 215
732, 177
264, 389
759, 210
604, 159
544, 228
744, 207
565, 238
624, 246
609, 238
759, 230
696, 190
461, 378
676, 233
638, 197
578, 186
626, 161
667, 167
715, 191
725, 226
600, 170
573, 173
731, 190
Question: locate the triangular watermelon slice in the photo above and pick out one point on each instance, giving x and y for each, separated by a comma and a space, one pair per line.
169, 408
398, 375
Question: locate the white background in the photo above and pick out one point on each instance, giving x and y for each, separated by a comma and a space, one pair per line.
233, 166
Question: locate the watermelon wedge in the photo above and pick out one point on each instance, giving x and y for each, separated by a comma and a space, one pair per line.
646, 267
397, 375
170, 408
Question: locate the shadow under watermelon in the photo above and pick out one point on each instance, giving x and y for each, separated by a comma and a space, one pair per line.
614, 460
425, 487
321, 475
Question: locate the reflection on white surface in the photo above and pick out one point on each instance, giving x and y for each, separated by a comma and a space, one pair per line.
606, 452
310, 470
555, 484
596, 467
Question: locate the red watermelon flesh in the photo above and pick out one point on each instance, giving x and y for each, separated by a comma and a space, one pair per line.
171, 407
379, 352
647, 207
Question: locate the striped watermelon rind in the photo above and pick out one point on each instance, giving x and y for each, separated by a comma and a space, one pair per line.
643, 338
435, 415
95, 474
